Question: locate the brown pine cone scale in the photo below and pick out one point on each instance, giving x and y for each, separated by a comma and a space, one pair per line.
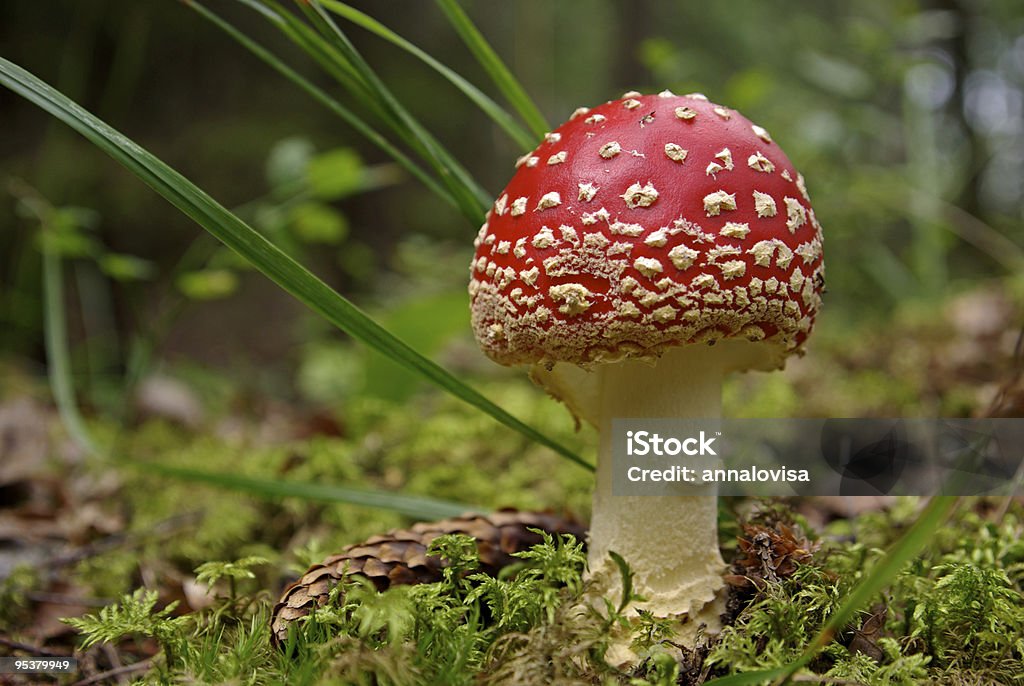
400, 557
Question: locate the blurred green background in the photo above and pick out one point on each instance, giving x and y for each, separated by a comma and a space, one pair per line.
907, 119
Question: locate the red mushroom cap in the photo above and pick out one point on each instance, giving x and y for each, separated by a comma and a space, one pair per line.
647, 222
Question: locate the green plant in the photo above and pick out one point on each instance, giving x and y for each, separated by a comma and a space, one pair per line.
210, 573
134, 615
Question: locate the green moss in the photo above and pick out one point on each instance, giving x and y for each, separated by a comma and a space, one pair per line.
14, 590
955, 616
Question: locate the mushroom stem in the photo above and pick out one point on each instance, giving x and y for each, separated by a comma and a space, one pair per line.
670, 542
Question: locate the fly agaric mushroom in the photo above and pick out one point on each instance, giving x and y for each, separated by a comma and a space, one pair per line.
634, 237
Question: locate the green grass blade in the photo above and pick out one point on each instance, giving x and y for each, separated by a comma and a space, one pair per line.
347, 67
899, 554
417, 507
310, 43
330, 103
453, 173
62, 387
59, 368
333, 62
248, 243
490, 61
58, 361
486, 104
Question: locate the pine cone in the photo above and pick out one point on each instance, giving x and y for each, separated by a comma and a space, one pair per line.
768, 554
400, 557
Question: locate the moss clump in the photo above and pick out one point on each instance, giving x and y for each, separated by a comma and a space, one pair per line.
956, 615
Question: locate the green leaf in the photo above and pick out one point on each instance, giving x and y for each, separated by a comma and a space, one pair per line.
432, 320
626, 574
74, 218
486, 104
208, 284
210, 573
134, 614
64, 230
244, 240
315, 222
68, 244
122, 267
490, 61
417, 507
335, 174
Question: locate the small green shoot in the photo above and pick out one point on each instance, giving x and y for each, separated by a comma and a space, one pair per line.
626, 575
210, 573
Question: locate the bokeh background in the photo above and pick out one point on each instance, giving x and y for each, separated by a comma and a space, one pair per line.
906, 117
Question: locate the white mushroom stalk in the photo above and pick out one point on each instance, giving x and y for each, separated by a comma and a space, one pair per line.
669, 542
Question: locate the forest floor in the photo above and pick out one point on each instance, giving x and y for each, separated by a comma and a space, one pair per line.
194, 569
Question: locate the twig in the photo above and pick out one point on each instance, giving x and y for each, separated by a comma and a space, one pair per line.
1018, 481
164, 528
29, 648
63, 599
815, 679
1017, 371
113, 657
118, 671
976, 232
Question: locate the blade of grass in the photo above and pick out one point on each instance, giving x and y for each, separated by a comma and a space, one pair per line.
310, 43
469, 198
909, 546
418, 507
461, 182
490, 61
333, 62
262, 254
486, 104
58, 359
332, 104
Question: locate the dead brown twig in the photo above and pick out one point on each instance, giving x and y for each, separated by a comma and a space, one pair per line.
117, 671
